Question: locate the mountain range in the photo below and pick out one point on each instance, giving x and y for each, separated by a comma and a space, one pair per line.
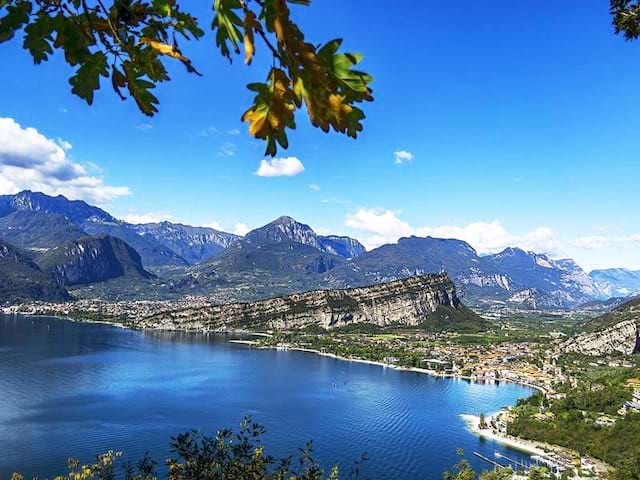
77, 244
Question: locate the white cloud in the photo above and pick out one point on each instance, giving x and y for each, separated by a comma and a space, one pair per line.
635, 238
227, 150
215, 225
402, 156
29, 160
384, 226
315, 187
234, 131
592, 242
66, 146
280, 167
241, 229
150, 217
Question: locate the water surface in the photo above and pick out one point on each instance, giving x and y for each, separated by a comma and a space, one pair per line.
77, 389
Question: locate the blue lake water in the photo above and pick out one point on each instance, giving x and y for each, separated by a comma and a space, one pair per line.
77, 389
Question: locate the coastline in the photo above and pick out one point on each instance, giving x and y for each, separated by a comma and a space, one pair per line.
527, 446
425, 371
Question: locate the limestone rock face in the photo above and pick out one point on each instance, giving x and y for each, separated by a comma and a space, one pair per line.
616, 331
404, 302
623, 337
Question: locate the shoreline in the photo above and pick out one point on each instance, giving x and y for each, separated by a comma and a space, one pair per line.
424, 371
527, 446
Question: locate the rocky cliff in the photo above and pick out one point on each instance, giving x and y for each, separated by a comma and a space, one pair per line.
411, 302
615, 332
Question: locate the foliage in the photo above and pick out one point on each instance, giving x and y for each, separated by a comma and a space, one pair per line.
227, 455
626, 18
129, 41
600, 391
461, 470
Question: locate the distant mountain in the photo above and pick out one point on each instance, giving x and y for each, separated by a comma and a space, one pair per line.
286, 229
548, 283
91, 220
194, 244
345, 247
152, 252
92, 259
616, 282
37, 230
77, 211
417, 256
22, 280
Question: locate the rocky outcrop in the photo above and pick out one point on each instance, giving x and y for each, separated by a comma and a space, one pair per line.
615, 332
623, 337
402, 302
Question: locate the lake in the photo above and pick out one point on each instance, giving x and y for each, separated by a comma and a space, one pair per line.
78, 389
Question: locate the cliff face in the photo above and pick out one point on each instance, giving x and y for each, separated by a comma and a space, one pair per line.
623, 337
617, 331
404, 302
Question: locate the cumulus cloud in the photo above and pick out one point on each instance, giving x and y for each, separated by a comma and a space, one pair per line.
402, 156
30, 160
384, 226
150, 217
241, 229
280, 167
315, 187
215, 225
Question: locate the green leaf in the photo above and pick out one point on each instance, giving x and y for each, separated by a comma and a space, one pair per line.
139, 88
17, 15
163, 7
38, 38
227, 26
87, 78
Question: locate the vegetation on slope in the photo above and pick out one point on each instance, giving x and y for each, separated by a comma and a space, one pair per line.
22, 280
572, 421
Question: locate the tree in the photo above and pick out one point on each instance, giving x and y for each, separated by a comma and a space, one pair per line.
482, 425
626, 18
225, 456
461, 470
129, 42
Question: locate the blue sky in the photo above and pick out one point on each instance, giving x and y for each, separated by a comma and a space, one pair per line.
519, 118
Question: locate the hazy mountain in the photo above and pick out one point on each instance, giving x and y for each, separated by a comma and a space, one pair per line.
286, 229
616, 282
77, 211
89, 219
415, 255
547, 282
37, 230
194, 244
92, 259
22, 280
